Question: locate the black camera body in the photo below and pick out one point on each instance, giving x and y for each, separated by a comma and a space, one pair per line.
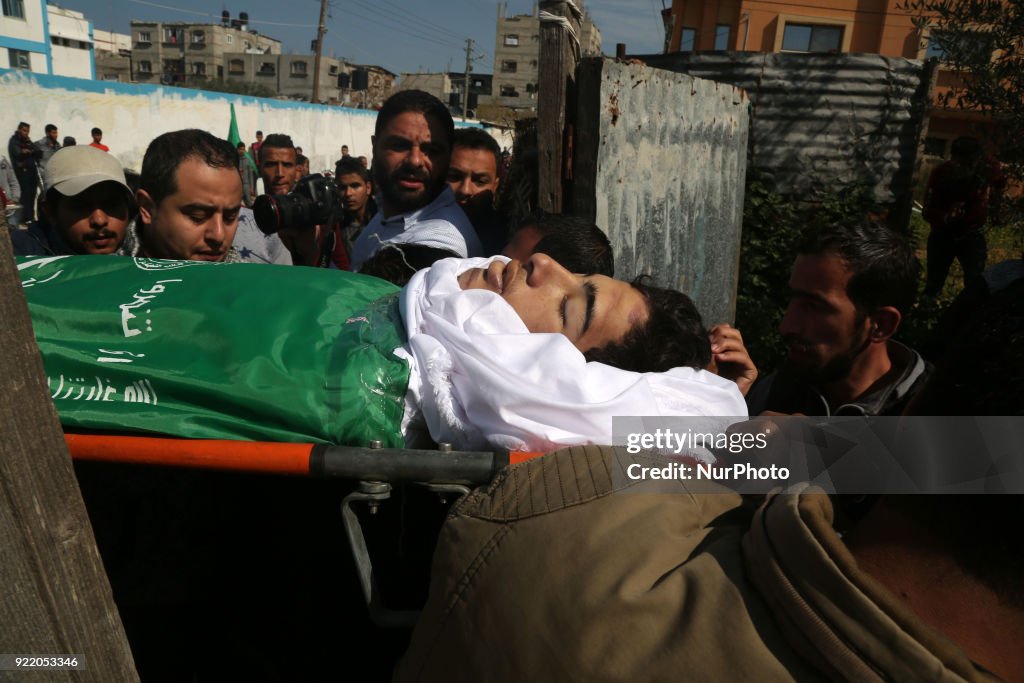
313, 201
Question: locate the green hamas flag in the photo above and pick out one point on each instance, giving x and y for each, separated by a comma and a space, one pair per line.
234, 138
218, 351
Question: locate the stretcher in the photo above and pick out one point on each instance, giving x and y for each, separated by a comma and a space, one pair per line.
444, 471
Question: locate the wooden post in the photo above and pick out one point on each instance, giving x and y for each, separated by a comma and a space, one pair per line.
57, 599
560, 22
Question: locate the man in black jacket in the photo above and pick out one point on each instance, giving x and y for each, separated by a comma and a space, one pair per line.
23, 154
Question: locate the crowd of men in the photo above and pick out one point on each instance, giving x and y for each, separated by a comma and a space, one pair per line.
428, 193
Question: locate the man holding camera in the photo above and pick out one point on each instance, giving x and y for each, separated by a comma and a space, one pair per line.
279, 173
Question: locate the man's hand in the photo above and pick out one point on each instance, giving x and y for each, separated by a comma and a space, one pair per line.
729, 357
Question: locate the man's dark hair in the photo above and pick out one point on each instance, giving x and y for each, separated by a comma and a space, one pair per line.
279, 140
22, 124
397, 263
351, 165
885, 268
259, 132
167, 152
576, 244
240, 145
69, 141
96, 131
300, 159
477, 138
673, 336
50, 127
415, 101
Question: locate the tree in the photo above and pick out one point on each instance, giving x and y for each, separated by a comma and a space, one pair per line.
982, 41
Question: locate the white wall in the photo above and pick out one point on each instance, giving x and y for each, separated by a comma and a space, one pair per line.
131, 115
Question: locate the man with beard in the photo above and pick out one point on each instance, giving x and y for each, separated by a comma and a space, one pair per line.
473, 177
850, 287
412, 145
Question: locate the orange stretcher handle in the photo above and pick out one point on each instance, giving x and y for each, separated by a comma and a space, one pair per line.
516, 457
248, 456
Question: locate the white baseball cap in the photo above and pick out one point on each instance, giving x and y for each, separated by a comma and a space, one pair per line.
73, 170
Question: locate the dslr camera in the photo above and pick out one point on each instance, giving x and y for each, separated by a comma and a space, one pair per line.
313, 201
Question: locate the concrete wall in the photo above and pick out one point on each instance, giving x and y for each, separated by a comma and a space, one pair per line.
132, 114
660, 165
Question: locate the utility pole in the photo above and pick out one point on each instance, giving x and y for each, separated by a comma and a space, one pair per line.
320, 31
469, 69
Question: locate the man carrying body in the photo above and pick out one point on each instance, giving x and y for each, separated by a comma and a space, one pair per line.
473, 177
87, 206
48, 145
851, 286
23, 155
189, 199
411, 153
97, 140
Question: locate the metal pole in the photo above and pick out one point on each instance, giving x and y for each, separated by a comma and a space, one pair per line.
320, 31
469, 68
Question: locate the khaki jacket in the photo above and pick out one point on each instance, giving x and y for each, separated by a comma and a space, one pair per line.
564, 570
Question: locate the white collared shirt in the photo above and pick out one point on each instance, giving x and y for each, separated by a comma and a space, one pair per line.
441, 224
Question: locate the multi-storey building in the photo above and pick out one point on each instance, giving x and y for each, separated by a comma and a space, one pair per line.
808, 26
517, 56
71, 43
113, 53
24, 37
287, 75
180, 52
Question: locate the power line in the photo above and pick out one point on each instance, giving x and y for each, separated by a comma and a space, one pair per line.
215, 16
420, 20
400, 29
408, 23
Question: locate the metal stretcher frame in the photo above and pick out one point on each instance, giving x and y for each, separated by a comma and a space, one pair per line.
443, 471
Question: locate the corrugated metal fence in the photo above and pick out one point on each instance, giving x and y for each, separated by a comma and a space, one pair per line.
824, 121
659, 164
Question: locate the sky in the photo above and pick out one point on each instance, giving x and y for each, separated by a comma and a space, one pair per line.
400, 35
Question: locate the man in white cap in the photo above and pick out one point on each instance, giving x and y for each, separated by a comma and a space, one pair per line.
87, 205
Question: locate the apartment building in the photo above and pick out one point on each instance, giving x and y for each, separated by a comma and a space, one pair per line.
810, 26
517, 56
113, 53
24, 37
175, 53
71, 43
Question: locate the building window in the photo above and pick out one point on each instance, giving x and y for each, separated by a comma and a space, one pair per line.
174, 36
174, 66
198, 69
267, 69
332, 70
530, 88
688, 39
508, 66
967, 46
236, 66
299, 69
145, 67
509, 91
145, 37
511, 39
229, 39
198, 37
722, 32
812, 38
19, 59
14, 9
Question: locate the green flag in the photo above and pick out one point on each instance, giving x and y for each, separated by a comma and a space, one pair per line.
234, 138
